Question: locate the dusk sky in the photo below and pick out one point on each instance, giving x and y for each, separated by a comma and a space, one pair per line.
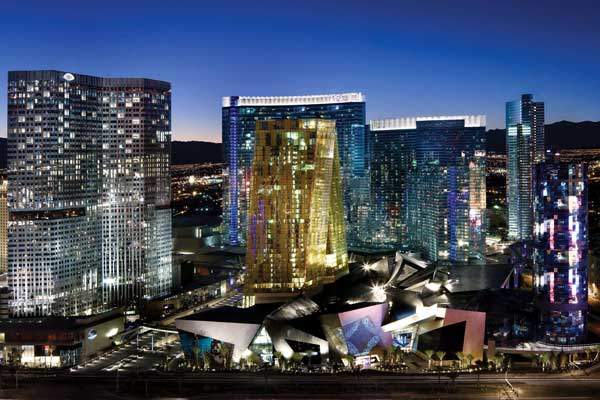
408, 57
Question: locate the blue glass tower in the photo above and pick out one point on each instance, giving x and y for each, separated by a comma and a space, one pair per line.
561, 250
239, 116
525, 148
389, 163
429, 185
359, 187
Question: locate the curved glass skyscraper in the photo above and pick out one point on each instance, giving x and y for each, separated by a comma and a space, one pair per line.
429, 185
524, 148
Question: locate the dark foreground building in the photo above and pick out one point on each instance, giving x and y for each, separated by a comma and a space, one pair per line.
561, 250
57, 341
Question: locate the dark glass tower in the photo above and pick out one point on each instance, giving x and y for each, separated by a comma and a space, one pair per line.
389, 164
239, 129
429, 185
561, 250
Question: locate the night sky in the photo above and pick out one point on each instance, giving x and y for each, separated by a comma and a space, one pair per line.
408, 57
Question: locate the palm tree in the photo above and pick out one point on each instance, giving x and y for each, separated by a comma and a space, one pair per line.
207, 360
563, 360
349, 359
498, 361
386, 358
553, 360
279, 357
398, 356
588, 354
597, 348
440, 356
196, 352
461, 358
429, 354
544, 358
297, 358
469, 358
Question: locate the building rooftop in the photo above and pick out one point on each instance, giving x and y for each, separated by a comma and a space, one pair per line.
391, 124
63, 323
354, 97
251, 315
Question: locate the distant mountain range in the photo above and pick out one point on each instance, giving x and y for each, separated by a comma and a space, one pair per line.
196, 152
181, 152
559, 135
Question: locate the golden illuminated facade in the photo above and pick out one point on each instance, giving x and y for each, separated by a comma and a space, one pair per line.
296, 234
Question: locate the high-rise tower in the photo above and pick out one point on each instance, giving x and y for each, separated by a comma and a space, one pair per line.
429, 185
525, 148
89, 191
561, 250
3, 226
240, 115
296, 236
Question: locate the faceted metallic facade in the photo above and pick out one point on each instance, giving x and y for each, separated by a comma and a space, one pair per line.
525, 148
428, 185
561, 250
89, 191
296, 235
240, 115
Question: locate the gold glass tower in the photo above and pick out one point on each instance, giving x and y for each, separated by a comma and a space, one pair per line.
296, 234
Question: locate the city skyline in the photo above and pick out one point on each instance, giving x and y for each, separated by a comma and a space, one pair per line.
439, 60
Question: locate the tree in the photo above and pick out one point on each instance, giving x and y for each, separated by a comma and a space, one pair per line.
207, 360
563, 360
498, 358
277, 355
544, 359
588, 354
297, 359
429, 355
196, 352
398, 356
440, 356
597, 348
469, 358
386, 358
349, 359
227, 354
253, 359
461, 358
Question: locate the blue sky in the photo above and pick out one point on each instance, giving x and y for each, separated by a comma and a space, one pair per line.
408, 57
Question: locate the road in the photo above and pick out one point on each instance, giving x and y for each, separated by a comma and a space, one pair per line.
232, 386
232, 298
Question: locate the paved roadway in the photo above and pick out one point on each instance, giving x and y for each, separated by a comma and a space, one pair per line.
230, 299
232, 386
